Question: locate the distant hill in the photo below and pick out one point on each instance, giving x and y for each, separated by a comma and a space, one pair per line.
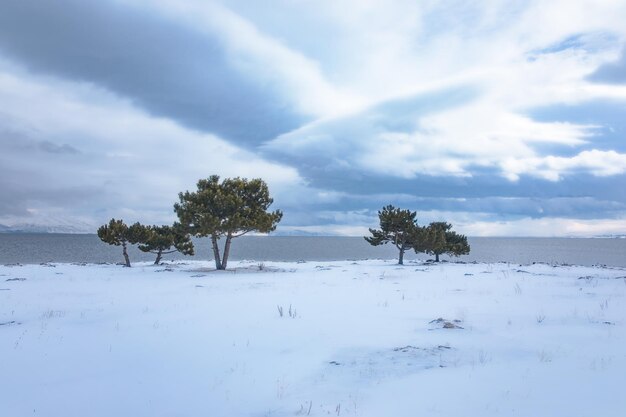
82, 228
611, 236
297, 232
38, 228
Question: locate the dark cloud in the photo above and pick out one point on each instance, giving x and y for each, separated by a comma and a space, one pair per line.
21, 190
611, 73
39, 173
34, 177
492, 184
566, 207
608, 117
167, 69
13, 201
21, 144
362, 210
50, 147
483, 193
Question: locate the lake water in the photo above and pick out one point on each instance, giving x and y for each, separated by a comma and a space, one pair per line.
37, 248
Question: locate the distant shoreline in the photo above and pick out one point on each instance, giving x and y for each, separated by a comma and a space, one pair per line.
619, 236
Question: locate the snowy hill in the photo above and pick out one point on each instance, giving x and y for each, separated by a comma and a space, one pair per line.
79, 227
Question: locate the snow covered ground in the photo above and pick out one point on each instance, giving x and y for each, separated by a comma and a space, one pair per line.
355, 338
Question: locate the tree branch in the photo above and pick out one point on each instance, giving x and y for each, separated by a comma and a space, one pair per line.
242, 233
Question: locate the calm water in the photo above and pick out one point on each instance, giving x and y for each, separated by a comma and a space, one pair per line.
37, 248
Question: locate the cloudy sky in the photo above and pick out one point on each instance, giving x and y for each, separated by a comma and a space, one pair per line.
503, 117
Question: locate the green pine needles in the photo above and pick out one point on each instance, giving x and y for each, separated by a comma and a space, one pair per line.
399, 227
227, 209
162, 240
438, 239
154, 239
117, 233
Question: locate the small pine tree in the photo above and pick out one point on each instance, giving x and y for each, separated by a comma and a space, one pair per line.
160, 240
117, 233
438, 239
397, 226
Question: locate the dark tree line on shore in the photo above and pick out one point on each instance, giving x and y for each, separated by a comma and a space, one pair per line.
399, 227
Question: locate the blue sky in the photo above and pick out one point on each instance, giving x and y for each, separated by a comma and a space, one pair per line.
502, 117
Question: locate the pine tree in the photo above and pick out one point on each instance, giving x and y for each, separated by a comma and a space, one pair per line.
160, 240
229, 209
117, 233
438, 239
397, 226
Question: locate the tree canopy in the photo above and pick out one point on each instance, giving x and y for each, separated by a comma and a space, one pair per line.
117, 233
229, 209
438, 239
397, 226
160, 240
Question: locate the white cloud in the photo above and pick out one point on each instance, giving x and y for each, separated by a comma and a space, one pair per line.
546, 227
450, 143
453, 142
262, 57
596, 162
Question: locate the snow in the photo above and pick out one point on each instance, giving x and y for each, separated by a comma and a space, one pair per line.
355, 338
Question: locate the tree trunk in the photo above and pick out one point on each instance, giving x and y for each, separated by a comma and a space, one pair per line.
226, 251
159, 256
125, 252
436, 257
216, 252
401, 257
